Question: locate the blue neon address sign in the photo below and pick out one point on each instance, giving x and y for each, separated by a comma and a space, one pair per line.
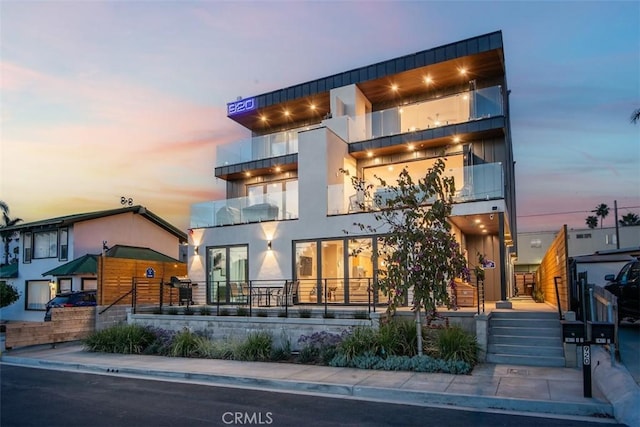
241, 106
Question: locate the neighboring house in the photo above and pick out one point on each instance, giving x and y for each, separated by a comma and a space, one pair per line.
60, 254
288, 188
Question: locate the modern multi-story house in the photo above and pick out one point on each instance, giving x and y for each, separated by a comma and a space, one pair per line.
56, 253
289, 197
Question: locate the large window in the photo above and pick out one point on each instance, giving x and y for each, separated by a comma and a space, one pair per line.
340, 270
45, 244
38, 294
227, 274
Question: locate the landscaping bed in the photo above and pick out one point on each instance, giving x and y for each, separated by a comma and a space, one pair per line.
392, 346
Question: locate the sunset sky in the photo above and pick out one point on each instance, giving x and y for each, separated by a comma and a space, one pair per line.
128, 98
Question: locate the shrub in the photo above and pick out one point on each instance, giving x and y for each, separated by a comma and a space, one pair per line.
242, 311
454, 344
262, 313
282, 313
162, 342
402, 363
8, 294
223, 312
172, 311
184, 344
362, 340
361, 314
319, 347
329, 315
121, 338
188, 311
304, 313
205, 310
257, 347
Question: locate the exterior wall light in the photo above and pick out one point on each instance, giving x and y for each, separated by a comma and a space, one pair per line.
269, 245
196, 250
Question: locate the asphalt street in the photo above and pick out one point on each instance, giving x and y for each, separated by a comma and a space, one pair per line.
36, 397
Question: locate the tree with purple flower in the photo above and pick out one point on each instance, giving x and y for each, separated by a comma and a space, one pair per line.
421, 255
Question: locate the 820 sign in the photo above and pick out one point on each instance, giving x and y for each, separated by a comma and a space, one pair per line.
241, 106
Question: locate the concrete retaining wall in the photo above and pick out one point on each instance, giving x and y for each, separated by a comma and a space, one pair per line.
114, 315
235, 327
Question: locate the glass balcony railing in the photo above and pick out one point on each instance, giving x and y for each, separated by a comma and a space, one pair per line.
260, 147
473, 183
273, 206
459, 108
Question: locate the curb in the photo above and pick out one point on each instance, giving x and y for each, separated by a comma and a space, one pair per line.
391, 395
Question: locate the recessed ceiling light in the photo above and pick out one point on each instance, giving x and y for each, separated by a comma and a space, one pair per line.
456, 139
312, 106
478, 221
278, 168
394, 87
369, 153
428, 80
463, 71
286, 113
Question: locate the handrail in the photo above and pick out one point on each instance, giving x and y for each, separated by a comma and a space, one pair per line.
116, 301
555, 282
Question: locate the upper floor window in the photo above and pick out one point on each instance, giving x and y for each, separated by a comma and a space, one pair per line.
64, 244
27, 247
45, 244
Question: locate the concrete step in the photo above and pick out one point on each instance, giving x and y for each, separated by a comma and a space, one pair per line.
525, 332
509, 359
526, 350
527, 341
512, 314
526, 323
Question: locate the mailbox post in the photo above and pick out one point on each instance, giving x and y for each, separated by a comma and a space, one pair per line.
576, 332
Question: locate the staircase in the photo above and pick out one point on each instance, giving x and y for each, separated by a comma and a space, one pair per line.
526, 338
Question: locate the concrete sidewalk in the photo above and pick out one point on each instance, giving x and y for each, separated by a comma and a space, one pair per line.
533, 390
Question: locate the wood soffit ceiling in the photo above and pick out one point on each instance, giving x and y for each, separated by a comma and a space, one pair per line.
411, 84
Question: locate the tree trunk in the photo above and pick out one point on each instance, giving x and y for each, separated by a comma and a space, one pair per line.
419, 330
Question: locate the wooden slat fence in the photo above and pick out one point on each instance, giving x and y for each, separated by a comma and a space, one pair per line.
67, 324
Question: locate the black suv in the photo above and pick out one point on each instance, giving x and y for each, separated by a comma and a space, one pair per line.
626, 287
71, 299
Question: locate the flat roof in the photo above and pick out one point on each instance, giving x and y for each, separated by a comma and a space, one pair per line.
481, 56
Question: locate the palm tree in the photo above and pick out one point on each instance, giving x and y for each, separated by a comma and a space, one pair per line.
7, 236
629, 219
592, 221
635, 116
601, 211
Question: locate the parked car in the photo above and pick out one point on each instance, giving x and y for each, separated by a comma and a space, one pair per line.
626, 287
71, 299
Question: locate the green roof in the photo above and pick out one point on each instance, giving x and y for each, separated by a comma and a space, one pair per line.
87, 264
9, 271
134, 252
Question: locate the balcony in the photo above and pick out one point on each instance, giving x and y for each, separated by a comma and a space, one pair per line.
473, 183
459, 108
273, 206
260, 147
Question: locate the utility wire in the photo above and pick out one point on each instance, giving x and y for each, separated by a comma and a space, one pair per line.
572, 212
